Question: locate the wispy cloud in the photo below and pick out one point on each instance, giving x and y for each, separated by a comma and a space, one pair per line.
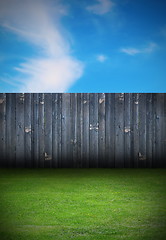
163, 31
101, 58
101, 7
38, 22
150, 48
133, 51
130, 51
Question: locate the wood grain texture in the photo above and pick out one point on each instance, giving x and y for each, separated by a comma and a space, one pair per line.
28, 130
83, 130
102, 133
149, 130
127, 130
93, 129
3, 130
20, 134
48, 130
41, 128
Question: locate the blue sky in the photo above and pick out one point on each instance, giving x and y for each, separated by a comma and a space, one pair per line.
82, 46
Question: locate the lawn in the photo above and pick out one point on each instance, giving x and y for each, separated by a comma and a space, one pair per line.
91, 204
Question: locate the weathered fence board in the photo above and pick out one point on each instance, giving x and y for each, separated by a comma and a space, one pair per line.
142, 130
127, 130
119, 130
20, 144
101, 132
149, 130
83, 130
48, 130
2, 129
93, 128
28, 130
86, 130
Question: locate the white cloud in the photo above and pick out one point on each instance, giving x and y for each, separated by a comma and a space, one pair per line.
133, 51
56, 75
150, 48
101, 8
130, 51
101, 58
38, 22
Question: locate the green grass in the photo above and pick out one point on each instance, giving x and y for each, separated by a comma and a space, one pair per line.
91, 204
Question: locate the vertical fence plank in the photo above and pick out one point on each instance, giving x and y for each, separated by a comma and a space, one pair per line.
2, 129
149, 129
20, 150
142, 131
10, 130
13, 130
93, 127
41, 131
135, 129
127, 129
102, 155
119, 129
154, 160
66, 141
28, 130
80, 129
164, 133
159, 129
48, 130
36, 129
55, 129
60, 129
110, 129
86, 130
73, 108
32, 129
163, 130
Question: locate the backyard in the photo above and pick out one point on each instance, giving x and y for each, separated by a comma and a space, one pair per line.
91, 204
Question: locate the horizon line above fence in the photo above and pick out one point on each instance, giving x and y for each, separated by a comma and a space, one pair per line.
83, 130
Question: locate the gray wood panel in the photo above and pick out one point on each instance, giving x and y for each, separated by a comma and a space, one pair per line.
149, 130
119, 130
28, 130
154, 157
74, 129
93, 128
20, 146
9, 119
48, 130
164, 133
79, 129
135, 129
41, 135
55, 130
142, 131
127, 129
159, 121
110, 130
83, 130
36, 129
3, 130
66, 130
102, 133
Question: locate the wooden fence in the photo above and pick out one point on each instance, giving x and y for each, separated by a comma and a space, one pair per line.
82, 130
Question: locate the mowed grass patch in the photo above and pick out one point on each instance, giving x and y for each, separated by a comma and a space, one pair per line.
92, 204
